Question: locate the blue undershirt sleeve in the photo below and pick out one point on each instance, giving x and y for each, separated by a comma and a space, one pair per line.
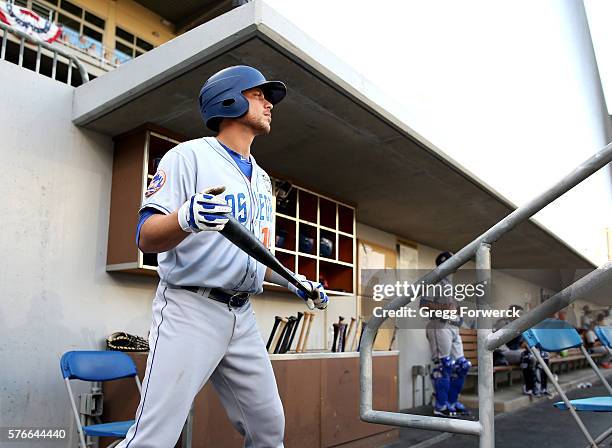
144, 214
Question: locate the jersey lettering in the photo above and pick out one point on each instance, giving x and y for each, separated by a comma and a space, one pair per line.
239, 211
242, 209
265, 233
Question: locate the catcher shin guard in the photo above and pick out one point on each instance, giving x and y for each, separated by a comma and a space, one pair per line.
461, 368
440, 377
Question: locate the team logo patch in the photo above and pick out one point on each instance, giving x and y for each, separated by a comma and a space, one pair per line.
157, 182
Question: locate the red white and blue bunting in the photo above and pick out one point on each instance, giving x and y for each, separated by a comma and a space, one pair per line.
29, 22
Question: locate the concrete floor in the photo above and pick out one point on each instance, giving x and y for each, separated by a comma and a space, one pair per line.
537, 424
511, 398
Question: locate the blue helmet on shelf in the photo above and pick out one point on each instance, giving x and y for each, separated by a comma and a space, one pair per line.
221, 96
441, 258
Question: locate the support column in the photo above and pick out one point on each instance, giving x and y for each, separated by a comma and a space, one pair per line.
486, 403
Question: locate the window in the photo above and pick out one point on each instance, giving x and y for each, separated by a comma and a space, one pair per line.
82, 29
129, 46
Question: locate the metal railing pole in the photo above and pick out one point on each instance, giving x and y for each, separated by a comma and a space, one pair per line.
21, 45
54, 68
69, 81
580, 289
486, 399
4, 40
38, 56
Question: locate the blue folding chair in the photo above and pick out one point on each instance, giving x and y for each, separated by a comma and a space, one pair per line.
554, 335
98, 366
604, 334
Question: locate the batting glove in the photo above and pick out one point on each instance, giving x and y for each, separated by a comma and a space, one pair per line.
320, 302
204, 211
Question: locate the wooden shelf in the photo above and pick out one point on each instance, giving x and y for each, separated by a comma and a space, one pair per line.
136, 156
293, 218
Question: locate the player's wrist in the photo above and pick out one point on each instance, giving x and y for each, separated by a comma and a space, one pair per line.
183, 216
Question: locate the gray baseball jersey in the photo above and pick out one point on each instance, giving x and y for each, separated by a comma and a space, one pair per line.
208, 259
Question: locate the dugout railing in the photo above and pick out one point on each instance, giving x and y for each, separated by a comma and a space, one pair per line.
487, 341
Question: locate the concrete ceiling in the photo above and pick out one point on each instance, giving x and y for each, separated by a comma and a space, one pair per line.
328, 140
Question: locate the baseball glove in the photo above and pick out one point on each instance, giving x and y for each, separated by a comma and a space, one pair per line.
125, 342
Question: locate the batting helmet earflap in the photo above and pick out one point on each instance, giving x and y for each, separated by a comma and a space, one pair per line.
443, 257
221, 96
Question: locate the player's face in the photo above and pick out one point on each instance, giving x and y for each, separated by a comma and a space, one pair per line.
259, 115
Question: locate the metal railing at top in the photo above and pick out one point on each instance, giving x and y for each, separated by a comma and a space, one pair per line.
487, 341
57, 52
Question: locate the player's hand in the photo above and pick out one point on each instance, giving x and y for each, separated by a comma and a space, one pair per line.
320, 302
204, 211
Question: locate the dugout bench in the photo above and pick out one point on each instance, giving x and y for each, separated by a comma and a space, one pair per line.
508, 374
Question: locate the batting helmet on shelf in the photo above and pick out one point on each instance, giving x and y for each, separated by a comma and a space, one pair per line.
443, 257
221, 96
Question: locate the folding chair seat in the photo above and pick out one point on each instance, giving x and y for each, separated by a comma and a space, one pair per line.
115, 429
554, 335
594, 404
97, 366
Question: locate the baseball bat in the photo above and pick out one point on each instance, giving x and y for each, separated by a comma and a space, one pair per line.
285, 340
279, 342
300, 344
274, 327
364, 324
312, 316
279, 333
341, 333
295, 327
357, 332
336, 327
393, 337
348, 334
246, 240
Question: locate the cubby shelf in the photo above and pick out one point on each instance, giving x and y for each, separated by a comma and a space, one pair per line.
315, 236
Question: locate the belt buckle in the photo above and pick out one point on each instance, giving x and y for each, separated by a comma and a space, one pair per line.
240, 301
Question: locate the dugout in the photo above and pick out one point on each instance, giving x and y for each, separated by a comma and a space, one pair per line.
335, 136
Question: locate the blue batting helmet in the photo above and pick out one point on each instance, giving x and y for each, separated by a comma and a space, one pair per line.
221, 96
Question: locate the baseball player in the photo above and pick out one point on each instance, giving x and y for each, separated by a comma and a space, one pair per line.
203, 323
450, 366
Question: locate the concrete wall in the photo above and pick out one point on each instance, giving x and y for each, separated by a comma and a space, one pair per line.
56, 295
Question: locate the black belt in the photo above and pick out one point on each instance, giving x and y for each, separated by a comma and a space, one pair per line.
235, 300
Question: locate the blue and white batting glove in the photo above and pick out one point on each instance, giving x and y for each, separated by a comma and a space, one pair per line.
204, 211
320, 302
